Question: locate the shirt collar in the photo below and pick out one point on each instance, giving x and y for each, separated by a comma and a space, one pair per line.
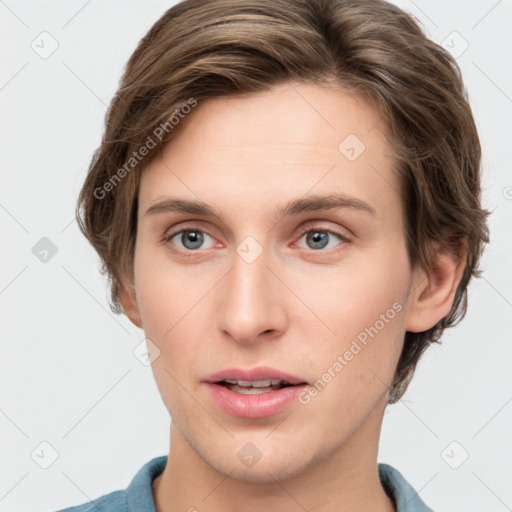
400, 490
140, 494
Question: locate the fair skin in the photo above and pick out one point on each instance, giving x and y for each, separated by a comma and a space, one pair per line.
296, 307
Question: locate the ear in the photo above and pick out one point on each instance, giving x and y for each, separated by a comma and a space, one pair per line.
433, 292
128, 300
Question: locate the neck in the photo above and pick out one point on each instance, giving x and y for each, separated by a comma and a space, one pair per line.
346, 480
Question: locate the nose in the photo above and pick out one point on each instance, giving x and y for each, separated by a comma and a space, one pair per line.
252, 302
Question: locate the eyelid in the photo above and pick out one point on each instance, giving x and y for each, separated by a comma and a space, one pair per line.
166, 239
344, 239
344, 233
193, 225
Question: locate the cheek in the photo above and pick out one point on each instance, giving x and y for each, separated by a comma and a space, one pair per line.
360, 330
355, 296
166, 293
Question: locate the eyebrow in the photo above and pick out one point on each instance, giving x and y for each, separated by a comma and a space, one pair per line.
297, 206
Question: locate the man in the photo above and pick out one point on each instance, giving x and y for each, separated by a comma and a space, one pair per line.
283, 208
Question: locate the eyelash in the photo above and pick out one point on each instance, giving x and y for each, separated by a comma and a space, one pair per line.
189, 253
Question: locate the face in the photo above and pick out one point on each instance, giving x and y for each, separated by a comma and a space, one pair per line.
316, 295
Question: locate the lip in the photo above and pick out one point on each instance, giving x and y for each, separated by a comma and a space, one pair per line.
251, 374
254, 406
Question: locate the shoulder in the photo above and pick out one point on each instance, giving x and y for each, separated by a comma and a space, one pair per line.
400, 490
137, 497
112, 502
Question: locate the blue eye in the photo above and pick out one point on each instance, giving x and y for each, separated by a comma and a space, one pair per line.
318, 239
186, 242
191, 239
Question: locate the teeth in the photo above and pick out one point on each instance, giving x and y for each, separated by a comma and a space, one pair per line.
256, 383
250, 391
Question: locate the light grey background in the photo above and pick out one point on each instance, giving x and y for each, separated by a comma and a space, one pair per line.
68, 374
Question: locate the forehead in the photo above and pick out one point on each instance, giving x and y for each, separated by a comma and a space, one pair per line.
285, 141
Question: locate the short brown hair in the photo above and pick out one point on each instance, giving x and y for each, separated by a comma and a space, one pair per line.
201, 49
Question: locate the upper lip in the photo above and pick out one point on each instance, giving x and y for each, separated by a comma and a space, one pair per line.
254, 374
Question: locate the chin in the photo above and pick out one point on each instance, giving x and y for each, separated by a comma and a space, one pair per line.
269, 471
276, 461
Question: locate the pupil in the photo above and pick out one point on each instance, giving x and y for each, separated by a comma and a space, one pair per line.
192, 239
318, 238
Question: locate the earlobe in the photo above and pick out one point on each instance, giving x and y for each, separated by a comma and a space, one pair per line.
433, 293
128, 300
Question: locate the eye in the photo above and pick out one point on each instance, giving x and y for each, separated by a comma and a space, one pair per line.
186, 241
191, 239
318, 239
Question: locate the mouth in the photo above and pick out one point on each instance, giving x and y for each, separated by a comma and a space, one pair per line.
257, 387
254, 393
261, 379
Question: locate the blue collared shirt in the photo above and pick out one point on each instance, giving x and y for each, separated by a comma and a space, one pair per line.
138, 497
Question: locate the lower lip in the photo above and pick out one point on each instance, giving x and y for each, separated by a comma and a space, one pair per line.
254, 406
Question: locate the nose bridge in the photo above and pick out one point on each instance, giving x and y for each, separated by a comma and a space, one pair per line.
251, 303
